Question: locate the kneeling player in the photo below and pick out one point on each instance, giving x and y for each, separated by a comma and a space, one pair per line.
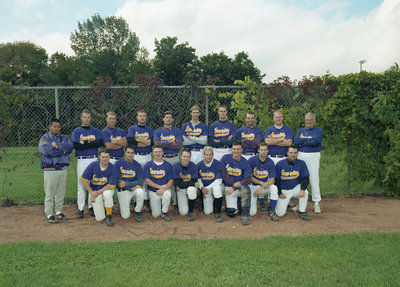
130, 184
99, 179
185, 181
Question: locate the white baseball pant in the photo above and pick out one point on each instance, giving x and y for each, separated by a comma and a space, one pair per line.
220, 152
196, 156
183, 203
82, 164
247, 157
312, 162
159, 203
103, 200
124, 200
272, 191
214, 191
282, 204
276, 159
55, 184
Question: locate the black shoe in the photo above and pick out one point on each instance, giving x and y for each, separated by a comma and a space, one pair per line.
79, 214
263, 207
273, 216
176, 209
165, 216
245, 220
146, 205
52, 219
190, 216
62, 217
109, 220
91, 211
218, 217
304, 215
138, 216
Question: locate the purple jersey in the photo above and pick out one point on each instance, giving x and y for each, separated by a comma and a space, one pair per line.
309, 140
186, 175
98, 178
129, 171
237, 170
209, 174
171, 136
250, 134
159, 174
89, 134
284, 132
198, 130
222, 130
262, 170
291, 175
141, 132
109, 134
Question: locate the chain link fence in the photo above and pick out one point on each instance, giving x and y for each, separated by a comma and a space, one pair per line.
21, 178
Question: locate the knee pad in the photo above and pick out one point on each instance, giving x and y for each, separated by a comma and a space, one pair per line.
191, 192
232, 212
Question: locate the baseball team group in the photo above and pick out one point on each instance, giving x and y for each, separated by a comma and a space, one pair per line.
195, 166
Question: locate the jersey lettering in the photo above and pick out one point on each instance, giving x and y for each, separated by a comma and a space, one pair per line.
289, 174
99, 180
157, 173
185, 177
305, 136
143, 136
251, 136
193, 132
127, 173
278, 135
221, 132
87, 138
207, 175
260, 173
168, 138
233, 171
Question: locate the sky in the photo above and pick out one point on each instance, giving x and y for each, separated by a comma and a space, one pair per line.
292, 38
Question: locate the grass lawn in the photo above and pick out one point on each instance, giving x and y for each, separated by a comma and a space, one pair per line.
365, 259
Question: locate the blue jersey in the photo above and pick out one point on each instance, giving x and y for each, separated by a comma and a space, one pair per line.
129, 171
309, 140
110, 134
291, 175
222, 130
284, 132
185, 175
209, 174
237, 170
246, 133
141, 132
188, 129
171, 136
82, 134
159, 174
98, 178
262, 170
54, 151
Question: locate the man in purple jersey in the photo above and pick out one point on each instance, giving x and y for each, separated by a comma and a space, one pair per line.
171, 140
210, 183
55, 149
262, 180
250, 136
186, 185
86, 140
114, 139
292, 179
236, 175
221, 134
309, 141
159, 179
130, 184
141, 136
99, 179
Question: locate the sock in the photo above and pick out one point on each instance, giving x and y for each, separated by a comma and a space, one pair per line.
239, 203
108, 210
316, 203
218, 204
272, 204
191, 204
261, 199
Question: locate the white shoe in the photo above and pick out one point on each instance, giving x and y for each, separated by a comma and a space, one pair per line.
295, 208
317, 209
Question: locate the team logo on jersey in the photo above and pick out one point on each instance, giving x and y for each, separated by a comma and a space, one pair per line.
156, 173
251, 136
87, 138
289, 174
193, 132
127, 173
185, 177
143, 136
260, 173
221, 132
44, 142
206, 175
99, 180
278, 135
167, 138
233, 171
115, 138
303, 136
54, 144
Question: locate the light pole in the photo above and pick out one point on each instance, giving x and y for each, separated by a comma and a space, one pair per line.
361, 63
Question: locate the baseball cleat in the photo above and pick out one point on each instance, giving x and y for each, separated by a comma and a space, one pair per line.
245, 220
52, 219
263, 206
62, 217
109, 220
91, 211
317, 209
218, 217
79, 214
273, 216
138, 216
146, 205
165, 216
190, 216
304, 215
176, 209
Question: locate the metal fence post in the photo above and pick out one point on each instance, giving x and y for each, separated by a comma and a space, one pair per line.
56, 102
207, 115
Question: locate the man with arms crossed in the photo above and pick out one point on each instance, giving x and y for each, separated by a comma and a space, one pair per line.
114, 139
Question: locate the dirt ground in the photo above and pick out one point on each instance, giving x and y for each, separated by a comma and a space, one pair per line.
339, 215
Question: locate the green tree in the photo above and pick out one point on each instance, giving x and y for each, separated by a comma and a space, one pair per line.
173, 62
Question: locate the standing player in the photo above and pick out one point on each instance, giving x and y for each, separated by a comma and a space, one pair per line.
262, 180
221, 134
141, 136
195, 135
158, 177
236, 175
250, 136
170, 139
114, 139
292, 179
130, 184
86, 140
185, 180
55, 149
210, 183
309, 141
99, 179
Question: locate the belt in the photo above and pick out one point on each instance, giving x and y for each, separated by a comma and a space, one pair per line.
86, 156
196, 149
278, 156
222, 147
55, 168
142, 153
249, 153
170, 155
116, 158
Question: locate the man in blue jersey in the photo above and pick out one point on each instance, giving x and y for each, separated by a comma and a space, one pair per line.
99, 179
130, 184
114, 139
250, 136
309, 140
236, 175
292, 179
86, 140
55, 149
